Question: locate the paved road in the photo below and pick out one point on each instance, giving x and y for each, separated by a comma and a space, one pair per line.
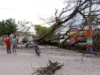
25, 62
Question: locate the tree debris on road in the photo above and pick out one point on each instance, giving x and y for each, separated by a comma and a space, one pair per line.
50, 69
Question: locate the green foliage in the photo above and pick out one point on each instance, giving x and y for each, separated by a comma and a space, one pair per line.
7, 27
41, 30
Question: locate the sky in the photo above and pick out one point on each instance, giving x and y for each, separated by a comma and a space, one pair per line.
30, 10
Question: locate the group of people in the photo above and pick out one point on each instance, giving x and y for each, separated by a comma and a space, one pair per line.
11, 42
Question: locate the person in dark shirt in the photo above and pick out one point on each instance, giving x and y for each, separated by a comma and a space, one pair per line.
36, 47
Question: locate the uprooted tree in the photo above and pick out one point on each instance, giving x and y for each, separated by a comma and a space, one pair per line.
76, 12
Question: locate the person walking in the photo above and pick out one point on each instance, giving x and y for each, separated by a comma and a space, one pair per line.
36, 47
8, 45
14, 44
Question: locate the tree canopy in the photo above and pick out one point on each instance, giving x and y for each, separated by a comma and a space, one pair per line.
8, 27
41, 30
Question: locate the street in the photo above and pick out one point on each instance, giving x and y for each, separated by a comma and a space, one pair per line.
25, 62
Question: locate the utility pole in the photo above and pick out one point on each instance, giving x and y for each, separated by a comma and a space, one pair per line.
90, 22
89, 40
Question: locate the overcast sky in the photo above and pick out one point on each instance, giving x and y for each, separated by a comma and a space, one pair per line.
30, 10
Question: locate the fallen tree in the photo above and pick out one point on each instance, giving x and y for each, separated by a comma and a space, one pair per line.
61, 19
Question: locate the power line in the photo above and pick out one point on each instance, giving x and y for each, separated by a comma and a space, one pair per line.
7, 9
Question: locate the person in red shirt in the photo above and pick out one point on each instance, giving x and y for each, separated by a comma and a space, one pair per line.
8, 44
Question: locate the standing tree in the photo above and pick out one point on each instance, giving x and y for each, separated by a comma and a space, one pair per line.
8, 27
41, 30
23, 26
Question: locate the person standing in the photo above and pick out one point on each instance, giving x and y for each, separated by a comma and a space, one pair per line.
14, 44
8, 45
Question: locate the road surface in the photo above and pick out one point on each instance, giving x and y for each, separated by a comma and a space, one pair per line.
25, 62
